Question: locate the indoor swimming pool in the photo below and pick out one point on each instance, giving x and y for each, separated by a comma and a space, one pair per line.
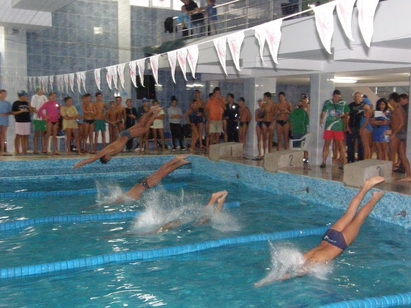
64, 243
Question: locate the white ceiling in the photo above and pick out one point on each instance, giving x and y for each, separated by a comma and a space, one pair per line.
40, 5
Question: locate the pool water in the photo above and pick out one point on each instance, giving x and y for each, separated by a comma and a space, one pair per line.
222, 277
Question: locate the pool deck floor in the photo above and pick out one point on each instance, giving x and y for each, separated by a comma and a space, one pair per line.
331, 173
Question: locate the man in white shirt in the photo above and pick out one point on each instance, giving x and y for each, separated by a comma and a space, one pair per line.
37, 101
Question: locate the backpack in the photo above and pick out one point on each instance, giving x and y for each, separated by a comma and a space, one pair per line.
168, 25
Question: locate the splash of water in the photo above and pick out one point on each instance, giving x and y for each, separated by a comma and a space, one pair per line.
289, 261
109, 193
163, 208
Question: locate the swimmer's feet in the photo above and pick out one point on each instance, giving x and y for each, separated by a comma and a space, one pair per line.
373, 181
377, 195
406, 179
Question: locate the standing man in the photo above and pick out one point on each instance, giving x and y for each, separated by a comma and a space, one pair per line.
121, 114
398, 135
231, 117
335, 112
5, 111
174, 118
37, 100
197, 18
99, 120
270, 109
353, 128
88, 123
21, 110
214, 111
131, 119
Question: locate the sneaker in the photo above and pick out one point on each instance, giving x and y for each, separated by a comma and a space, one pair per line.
177, 148
173, 149
305, 161
322, 166
183, 148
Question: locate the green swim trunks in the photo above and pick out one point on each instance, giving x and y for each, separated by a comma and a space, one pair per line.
39, 125
99, 125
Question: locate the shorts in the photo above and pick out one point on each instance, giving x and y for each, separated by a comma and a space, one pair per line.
216, 127
333, 135
99, 125
71, 124
22, 128
39, 125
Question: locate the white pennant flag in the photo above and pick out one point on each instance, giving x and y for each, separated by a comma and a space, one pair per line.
235, 41
366, 12
51, 81
78, 78
221, 48
83, 80
114, 76
192, 58
154, 67
141, 67
172, 60
71, 82
273, 37
97, 78
59, 83
109, 77
261, 35
31, 84
344, 12
324, 20
120, 71
66, 83
182, 60
133, 72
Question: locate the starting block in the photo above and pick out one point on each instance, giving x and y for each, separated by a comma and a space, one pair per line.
225, 150
283, 159
357, 173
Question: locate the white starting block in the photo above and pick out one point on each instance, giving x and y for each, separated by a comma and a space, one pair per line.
357, 173
283, 159
225, 150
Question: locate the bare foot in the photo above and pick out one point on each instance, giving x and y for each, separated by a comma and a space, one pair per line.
378, 195
373, 181
406, 179
182, 157
56, 153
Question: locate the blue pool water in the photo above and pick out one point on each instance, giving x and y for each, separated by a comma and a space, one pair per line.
376, 264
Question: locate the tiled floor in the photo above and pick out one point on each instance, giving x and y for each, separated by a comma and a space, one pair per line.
331, 173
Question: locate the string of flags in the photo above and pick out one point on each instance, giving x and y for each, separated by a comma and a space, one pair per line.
266, 34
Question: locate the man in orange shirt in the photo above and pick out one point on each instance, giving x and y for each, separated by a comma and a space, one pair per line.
214, 111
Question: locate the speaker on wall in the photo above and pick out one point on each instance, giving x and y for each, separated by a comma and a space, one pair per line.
149, 90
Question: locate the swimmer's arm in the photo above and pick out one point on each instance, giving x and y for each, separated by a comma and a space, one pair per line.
85, 162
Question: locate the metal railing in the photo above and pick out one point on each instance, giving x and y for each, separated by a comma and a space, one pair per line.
243, 14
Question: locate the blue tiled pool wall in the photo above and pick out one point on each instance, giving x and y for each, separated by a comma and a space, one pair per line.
322, 192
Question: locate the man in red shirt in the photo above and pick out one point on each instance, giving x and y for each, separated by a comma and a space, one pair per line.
214, 111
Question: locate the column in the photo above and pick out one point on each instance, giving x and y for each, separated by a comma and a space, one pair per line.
124, 45
321, 90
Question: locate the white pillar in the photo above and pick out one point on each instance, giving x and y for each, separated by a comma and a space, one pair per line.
321, 90
13, 52
124, 45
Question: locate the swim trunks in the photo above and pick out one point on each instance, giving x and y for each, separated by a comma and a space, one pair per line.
282, 122
335, 238
126, 133
267, 124
99, 125
89, 121
244, 123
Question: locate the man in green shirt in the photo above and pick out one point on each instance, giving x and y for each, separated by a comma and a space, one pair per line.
335, 111
299, 121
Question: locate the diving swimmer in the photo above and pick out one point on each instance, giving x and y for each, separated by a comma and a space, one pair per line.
117, 146
339, 236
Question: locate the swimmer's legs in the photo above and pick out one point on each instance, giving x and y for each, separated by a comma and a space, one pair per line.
355, 203
351, 231
220, 202
216, 196
166, 169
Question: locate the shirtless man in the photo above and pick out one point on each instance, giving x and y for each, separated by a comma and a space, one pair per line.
121, 110
245, 120
340, 235
284, 109
88, 123
268, 123
116, 147
100, 120
112, 120
398, 135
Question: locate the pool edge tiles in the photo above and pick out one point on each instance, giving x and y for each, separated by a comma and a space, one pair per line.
330, 193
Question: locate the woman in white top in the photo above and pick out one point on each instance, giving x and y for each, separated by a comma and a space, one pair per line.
158, 127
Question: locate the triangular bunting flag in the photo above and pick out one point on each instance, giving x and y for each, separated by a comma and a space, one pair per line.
172, 60
120, 70
78, 76
235, 41
71, 82
192, 58
221, 48
182, 58
344, 12
366, 12
324, 20
154, 67
97, 78
109, 77
133, 72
